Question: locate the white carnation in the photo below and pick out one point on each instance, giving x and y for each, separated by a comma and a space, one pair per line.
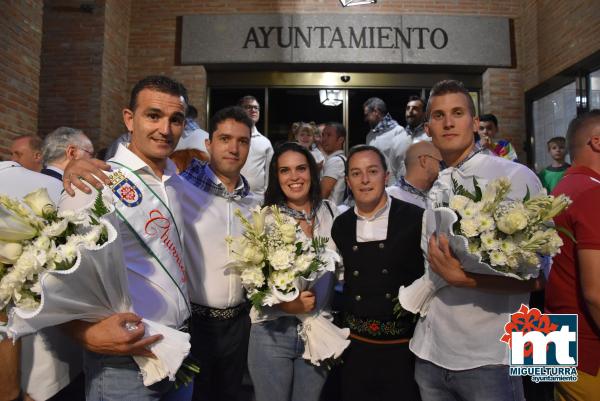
78, 217
280, 259
459, 203
489, 242
253, 277
55, 229
303, 262
469, 227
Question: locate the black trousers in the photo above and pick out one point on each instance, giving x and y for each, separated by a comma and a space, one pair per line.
221, 347
378, 372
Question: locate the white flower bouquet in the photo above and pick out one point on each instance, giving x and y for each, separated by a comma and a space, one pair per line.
276, 262
489, 234
59, 266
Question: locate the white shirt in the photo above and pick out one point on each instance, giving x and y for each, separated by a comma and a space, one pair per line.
335, 167
211, 282
317, 154
164, 304
463, 326
256, 168
393, 144
373, 228
49, 358
399, 192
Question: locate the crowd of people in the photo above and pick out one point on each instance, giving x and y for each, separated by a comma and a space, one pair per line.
368, 201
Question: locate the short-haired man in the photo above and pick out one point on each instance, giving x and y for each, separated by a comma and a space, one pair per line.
61, 146
551, 175
415, 119
459, 356
386, 135
488, 131
379, 240
27, 151
220, 325
158, 290
574, 281
256, 169
422, 168
333, 186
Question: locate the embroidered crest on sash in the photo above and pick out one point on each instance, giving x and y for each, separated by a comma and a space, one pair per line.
124, 189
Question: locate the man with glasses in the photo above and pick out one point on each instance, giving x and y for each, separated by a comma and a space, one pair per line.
256, 169
422, 168
61, 146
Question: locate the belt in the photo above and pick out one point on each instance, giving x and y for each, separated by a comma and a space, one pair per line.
208, 313
378, 330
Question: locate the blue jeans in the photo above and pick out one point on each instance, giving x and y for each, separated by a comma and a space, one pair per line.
277, 369
489, 383
118, 378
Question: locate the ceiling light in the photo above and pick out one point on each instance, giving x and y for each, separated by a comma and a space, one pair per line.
331, 97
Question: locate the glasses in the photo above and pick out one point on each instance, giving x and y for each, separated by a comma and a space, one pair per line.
91, 154
252, 107
433, 157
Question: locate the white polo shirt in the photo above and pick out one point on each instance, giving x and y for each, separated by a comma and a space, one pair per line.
49, 358
256, 169
393, 144
463, 326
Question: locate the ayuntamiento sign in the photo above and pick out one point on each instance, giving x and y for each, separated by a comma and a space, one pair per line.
339, 38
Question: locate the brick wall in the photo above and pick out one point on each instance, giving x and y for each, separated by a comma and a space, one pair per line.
115, 94
71, 72
21, 38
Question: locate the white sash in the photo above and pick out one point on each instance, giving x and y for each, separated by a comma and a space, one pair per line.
153, 224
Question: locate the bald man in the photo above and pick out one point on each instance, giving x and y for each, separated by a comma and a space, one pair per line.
27, 151
422, 168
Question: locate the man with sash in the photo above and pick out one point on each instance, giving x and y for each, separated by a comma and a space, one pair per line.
459, 356
220, 323
146, 192
379, 240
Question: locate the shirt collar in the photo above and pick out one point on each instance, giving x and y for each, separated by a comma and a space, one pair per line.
131, 160
255, 131
583, 170
337, 152
383, 212
54, 168
213, 177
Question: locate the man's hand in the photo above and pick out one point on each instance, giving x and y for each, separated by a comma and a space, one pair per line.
485, 141
304, 303
112, 336
442, 261
88, 170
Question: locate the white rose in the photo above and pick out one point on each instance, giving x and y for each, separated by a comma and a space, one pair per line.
288, 233
469, 227
303, 262
10, 252
280, 259
512, 221
39, 201
497, 258
459, 203
55, 229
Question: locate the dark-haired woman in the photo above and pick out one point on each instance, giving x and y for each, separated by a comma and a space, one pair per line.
277, 369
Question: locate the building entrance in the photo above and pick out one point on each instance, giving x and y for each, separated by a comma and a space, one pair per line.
286, 98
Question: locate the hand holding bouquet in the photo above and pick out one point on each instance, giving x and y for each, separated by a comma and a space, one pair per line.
276, 262
489, 234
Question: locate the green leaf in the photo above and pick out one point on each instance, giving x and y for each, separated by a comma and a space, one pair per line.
99, 209
458, 189
566, 232
478, 194
527, 195
257, 299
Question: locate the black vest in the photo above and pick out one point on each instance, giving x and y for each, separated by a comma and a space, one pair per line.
375, 270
